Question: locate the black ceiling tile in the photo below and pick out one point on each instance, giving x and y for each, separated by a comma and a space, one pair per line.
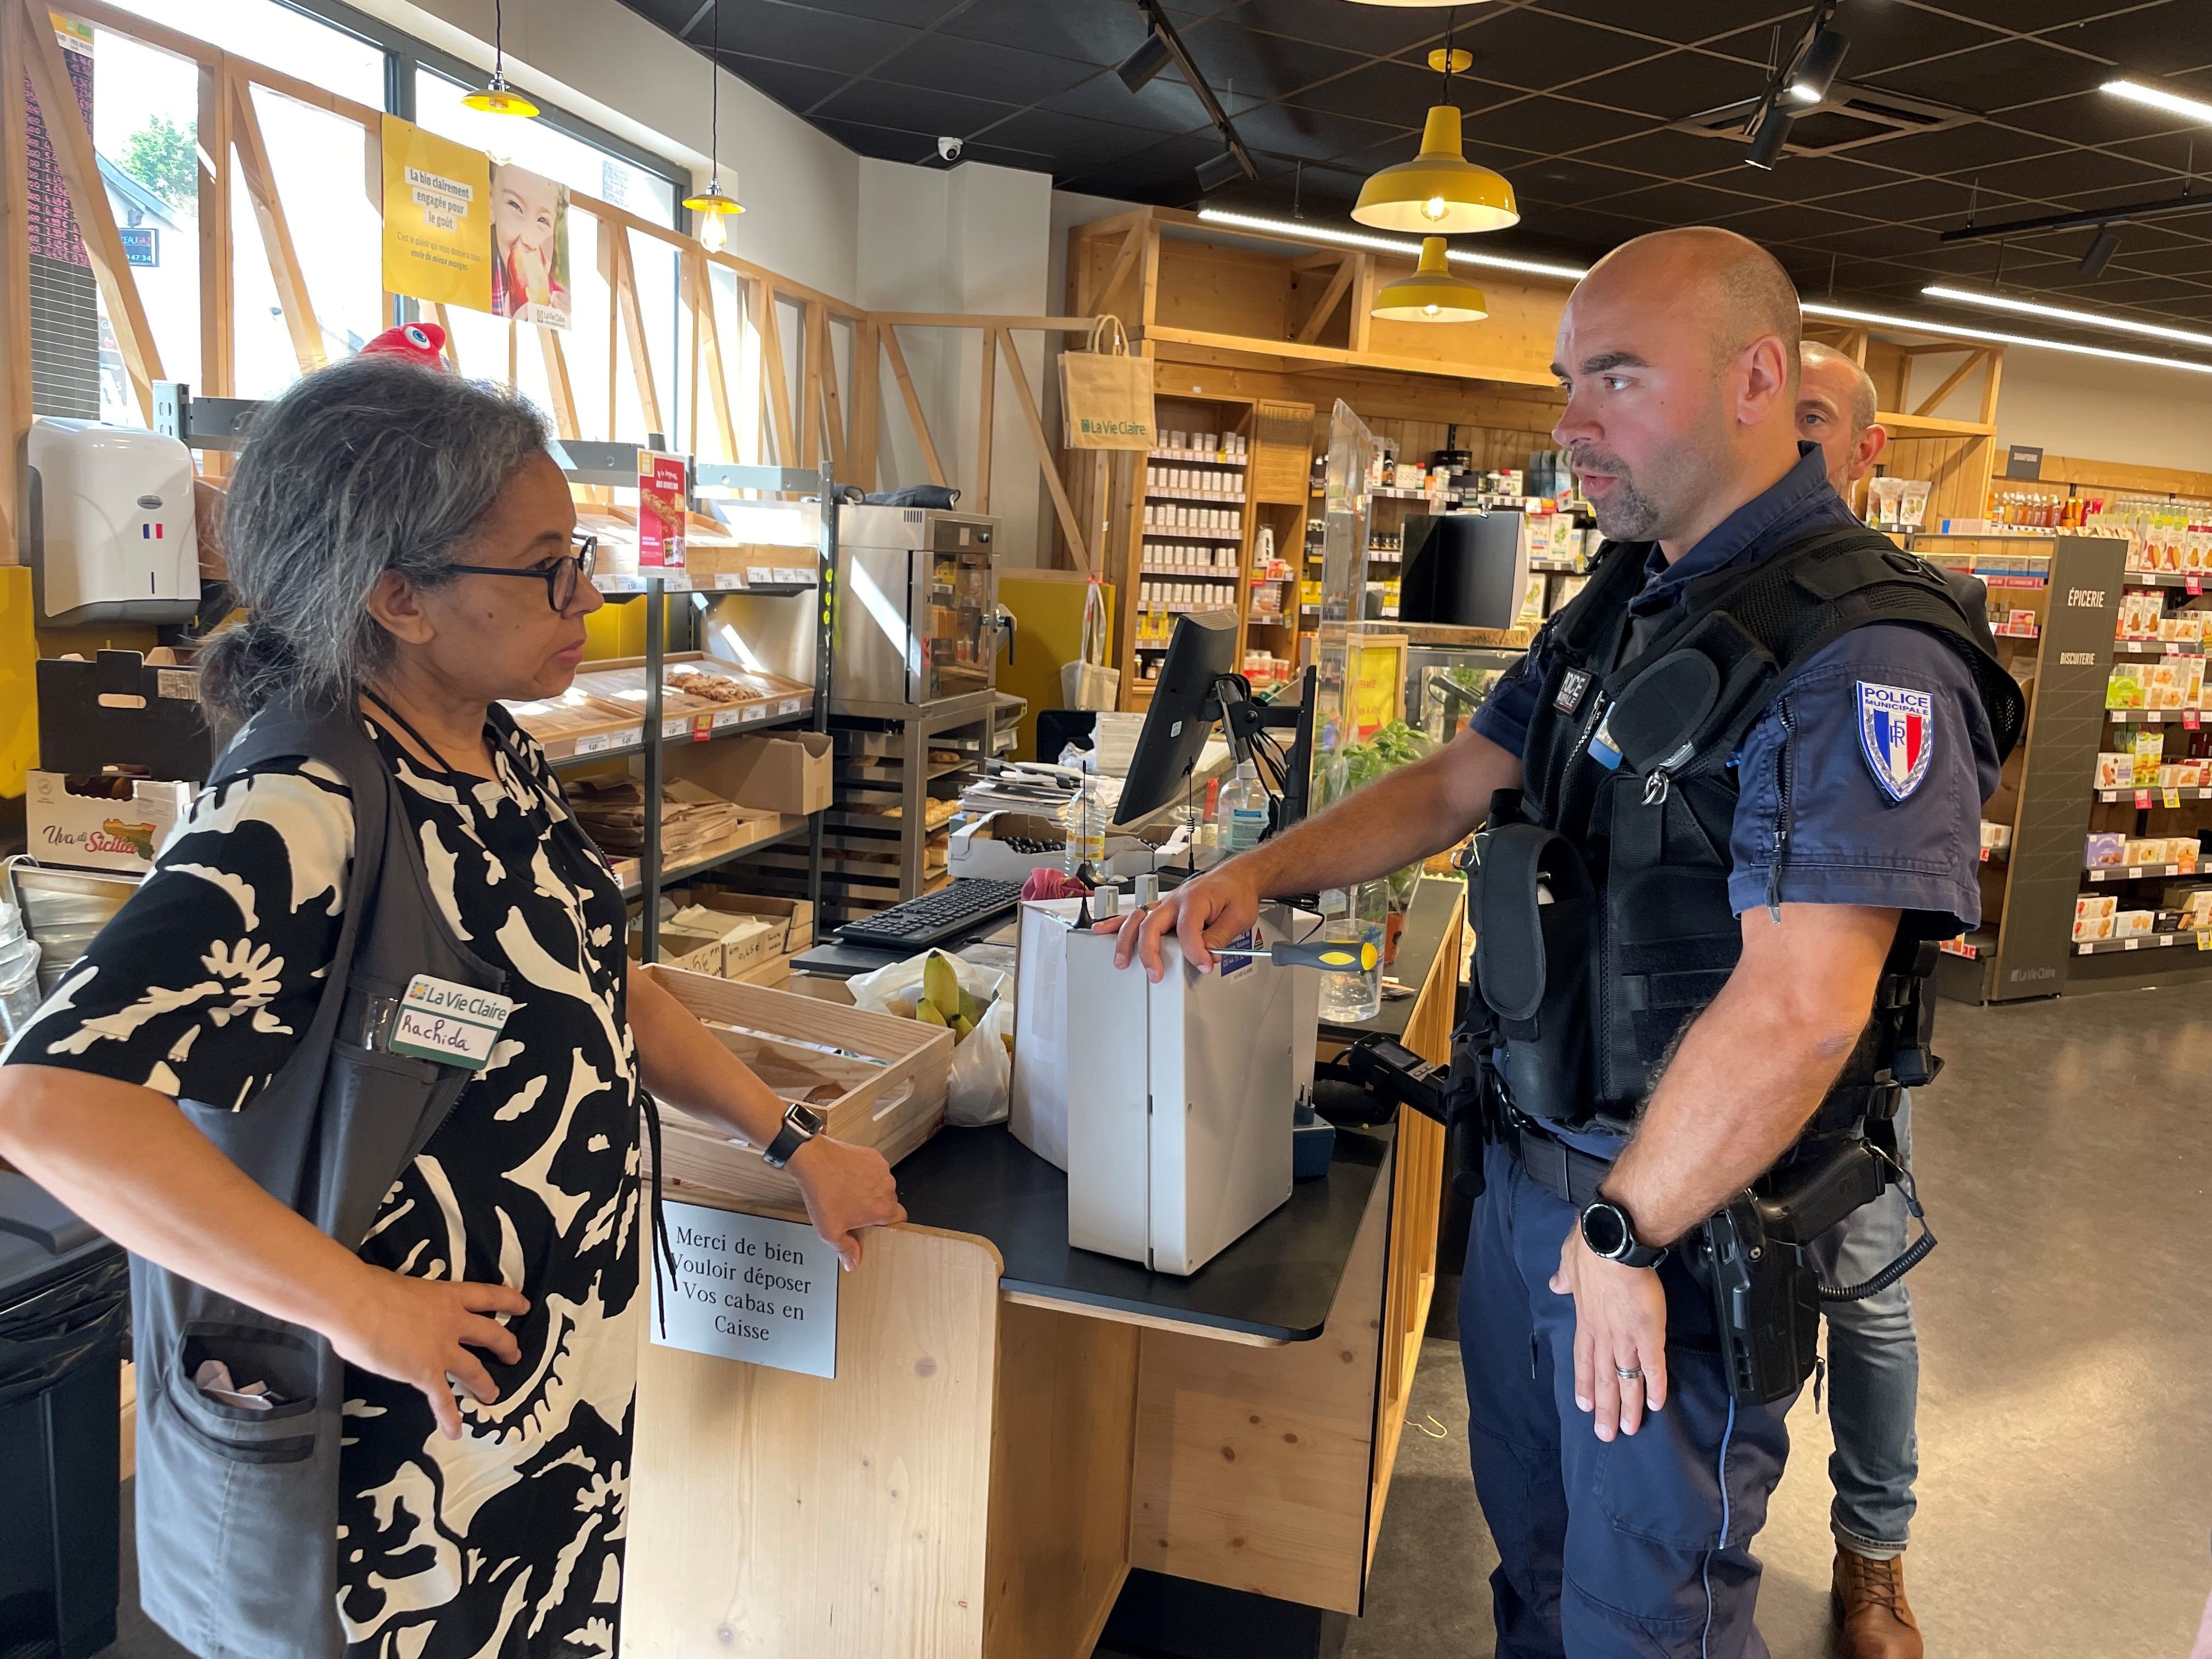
1790, 222
912, 13
982, 68
1254, 65
1092, 34
2163, 261
1872, 241
1679, 22
2067, 174
2117, 290
1799, 179
1314, 135
2189, 151
1070, 140
1901, 201
1957, 152
1522, 47
1679, 205
806, 34
1993, 78
2057, 17
793, 85
885, 143
1565, 179
2091, 117
1392, 91
1370, 31
1549, 126
913, 109
1680, 84
1165, 104
1661, 152
2155, 40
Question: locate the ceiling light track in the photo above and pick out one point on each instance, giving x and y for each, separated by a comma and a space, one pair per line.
2100, 216
1164, 32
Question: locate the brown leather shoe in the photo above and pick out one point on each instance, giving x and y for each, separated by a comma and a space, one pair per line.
1870, 1609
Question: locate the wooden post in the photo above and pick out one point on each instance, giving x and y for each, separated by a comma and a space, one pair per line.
14, 273
558, 383
833, 409
452, 347
809, 384
985, 391
218, 295
708, 330
867, 401
1326, 305
80, 168
1027, 403
285, 268
775, 382
1363, 298
913, 405
633, 325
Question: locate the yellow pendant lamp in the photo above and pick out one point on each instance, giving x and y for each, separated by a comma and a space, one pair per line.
713, 208
1439, 192
1432, 293
497, 98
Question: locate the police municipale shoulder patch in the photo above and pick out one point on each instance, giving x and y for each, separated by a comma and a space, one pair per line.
1897, 732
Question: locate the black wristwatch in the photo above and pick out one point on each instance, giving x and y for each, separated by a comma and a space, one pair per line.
799, 1127
1609, 1233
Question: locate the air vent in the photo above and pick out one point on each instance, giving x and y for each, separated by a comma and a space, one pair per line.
1849, 117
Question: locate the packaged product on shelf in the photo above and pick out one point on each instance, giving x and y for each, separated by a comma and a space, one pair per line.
2149, 747
2193, 691
2092, 928
2143, 851
2182, 853
2167, 684
2194, 909
2133, 924
2138, 618
2116, 771
2187, 627
1997, 839
2124, 689
1912, 503
2089, 906
2105, 849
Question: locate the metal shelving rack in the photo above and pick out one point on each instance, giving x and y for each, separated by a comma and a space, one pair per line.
616, 464
221, 424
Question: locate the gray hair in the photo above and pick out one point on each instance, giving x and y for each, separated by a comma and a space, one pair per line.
372, 465
1862, 390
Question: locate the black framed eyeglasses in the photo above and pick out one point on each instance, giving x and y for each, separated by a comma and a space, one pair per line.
562, 576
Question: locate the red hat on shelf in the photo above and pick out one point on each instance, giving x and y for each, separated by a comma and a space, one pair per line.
418, 343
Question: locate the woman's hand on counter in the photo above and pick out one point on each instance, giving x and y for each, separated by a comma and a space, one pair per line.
421, 1331
847, 1188
1210, 909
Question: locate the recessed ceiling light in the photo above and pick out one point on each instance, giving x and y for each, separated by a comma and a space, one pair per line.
2067, 314
2173, 103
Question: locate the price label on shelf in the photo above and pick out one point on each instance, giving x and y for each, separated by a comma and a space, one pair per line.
754, 711
2174, 797
2143, 800
2194, 585
727, 717
788, 706
2130, 944
2188, 718
680, 727
728, 578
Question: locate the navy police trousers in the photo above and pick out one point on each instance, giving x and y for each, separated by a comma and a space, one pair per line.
1636, 1547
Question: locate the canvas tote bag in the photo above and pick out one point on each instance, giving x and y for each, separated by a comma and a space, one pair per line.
1106, 392
1087, 683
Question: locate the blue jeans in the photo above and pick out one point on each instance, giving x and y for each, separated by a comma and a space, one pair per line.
1874, 1373
1635, 1548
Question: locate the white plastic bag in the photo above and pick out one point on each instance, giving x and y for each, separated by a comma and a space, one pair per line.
1087, 683
983, 1074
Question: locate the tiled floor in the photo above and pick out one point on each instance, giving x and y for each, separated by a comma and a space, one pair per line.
2066, 1393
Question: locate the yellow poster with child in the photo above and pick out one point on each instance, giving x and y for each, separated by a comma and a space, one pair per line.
437, 218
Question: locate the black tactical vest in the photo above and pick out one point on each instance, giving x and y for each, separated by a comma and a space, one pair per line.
1602, 891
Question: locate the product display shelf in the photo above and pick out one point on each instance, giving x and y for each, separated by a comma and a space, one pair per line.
2099, 947
677, 731
614, 466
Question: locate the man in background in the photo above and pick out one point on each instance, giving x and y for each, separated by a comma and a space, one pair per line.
1874, 1355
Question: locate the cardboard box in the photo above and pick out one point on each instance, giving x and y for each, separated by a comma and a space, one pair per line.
2089, 906
2133, 924
2116, 771
775, 772
697, 953
92, 823
2105, 849
121, 710
791, 920
2088, 928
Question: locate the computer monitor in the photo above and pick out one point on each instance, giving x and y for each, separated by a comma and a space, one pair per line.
1202, 651
1463, 570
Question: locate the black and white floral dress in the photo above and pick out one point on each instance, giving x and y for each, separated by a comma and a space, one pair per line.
506, 1543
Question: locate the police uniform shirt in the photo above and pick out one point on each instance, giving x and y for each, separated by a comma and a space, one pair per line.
1863, 779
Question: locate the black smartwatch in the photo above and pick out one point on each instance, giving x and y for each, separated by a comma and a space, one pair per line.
799, 1127
1609, 1233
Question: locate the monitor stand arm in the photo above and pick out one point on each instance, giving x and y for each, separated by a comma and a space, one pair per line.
1241, 717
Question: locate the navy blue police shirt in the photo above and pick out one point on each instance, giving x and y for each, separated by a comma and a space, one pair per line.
1862, 782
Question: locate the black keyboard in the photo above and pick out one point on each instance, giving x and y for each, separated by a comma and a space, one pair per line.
935, 917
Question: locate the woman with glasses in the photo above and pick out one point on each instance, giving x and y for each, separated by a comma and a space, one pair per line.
404, 548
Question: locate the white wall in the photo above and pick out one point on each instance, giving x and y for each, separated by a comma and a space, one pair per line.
2088, 408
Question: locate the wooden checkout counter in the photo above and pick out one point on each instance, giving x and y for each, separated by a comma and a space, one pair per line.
1015, 1424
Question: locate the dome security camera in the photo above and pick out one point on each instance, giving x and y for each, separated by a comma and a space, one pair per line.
949, 148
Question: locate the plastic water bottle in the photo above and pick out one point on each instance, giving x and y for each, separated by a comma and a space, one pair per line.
19, 972
1241, 813
1087, 835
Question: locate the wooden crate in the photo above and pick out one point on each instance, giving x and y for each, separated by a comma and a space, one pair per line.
892, 1098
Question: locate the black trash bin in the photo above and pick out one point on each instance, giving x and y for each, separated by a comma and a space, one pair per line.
64, 1311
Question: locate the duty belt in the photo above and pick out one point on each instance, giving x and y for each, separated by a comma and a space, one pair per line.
1560, 1170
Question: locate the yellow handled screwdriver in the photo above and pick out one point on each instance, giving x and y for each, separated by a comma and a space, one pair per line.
1330, 957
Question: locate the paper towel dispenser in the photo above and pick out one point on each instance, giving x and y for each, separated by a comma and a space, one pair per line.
107, 524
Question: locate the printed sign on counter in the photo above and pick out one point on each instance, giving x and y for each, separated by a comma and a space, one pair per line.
662, 489
751, 1288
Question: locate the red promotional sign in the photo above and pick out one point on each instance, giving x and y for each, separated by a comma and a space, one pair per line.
662, 489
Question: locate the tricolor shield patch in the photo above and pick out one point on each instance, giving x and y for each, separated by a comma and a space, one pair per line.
1897, 729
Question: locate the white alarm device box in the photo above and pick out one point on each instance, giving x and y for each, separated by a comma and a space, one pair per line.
1180, 1095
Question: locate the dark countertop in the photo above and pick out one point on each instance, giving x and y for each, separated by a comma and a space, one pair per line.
1279, 1281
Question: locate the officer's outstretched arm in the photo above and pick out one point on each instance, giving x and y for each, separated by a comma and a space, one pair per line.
1753, 1067
1403, 816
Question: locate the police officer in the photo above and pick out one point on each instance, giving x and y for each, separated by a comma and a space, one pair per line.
1873, 1354
1622, 1477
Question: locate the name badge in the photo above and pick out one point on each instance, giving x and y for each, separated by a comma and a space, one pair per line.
1601, 748
452, 1024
